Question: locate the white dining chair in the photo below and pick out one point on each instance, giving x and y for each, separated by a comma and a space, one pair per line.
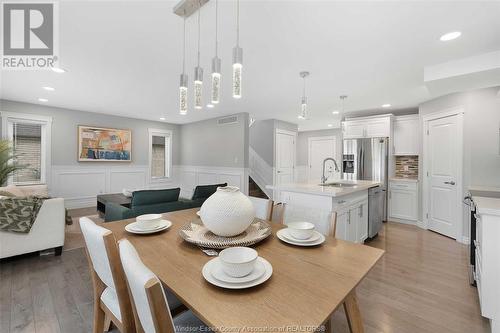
111, 298
324, 220
263, 208
151, 310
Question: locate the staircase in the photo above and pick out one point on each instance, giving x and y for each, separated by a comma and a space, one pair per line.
254, 190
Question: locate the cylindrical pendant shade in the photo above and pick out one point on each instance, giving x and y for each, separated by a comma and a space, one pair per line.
198, 87
216, 77
183, 107
237, 71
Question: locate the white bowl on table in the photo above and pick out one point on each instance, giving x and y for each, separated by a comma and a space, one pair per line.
238, 261
301, 230
149, 221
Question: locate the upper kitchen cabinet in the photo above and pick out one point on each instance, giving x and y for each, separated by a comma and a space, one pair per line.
406, 135
367, 127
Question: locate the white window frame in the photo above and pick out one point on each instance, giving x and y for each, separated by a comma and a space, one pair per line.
8, 119
167, 134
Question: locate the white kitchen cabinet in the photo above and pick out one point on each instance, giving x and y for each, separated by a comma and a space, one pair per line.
342, 228
403, 200
367, 127
406, 135
487, 265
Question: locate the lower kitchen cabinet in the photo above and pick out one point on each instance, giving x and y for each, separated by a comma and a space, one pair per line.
403, 200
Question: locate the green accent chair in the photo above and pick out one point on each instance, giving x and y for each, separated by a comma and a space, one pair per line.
158, 201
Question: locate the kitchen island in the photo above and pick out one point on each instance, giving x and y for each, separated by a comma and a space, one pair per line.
316, 203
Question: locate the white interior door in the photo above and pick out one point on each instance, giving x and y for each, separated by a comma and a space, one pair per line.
443, 161
319, 149
285, 158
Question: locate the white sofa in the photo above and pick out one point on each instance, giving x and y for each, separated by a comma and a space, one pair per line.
47, 232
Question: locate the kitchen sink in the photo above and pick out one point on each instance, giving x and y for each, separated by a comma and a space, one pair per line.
338, 184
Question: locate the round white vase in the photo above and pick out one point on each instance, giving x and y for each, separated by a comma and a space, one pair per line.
227, 212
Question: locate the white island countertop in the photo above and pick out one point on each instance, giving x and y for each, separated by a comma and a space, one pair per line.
486, 205
330, 191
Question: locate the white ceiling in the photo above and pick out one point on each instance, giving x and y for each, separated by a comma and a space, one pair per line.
124, 57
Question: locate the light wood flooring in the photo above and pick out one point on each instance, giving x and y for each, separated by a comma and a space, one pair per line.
420, 285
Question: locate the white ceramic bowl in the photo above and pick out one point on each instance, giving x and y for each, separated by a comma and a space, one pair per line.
148, 221
238, 261
301, 230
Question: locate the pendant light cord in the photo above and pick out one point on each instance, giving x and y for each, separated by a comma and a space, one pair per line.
216, 26
304, 88
237, 22
199, 12
184, 46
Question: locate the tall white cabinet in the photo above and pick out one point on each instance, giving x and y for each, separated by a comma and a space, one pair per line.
406, 135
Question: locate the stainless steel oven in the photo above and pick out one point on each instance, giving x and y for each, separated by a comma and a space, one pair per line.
472, 236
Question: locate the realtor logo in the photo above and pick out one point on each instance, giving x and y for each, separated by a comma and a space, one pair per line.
29, 38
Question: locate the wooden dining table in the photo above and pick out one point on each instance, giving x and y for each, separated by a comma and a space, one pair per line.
307, 285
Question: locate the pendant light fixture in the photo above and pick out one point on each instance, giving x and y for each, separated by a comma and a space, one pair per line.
216, 63
237, 57
303, 105
198, 72
342, 99
183, 86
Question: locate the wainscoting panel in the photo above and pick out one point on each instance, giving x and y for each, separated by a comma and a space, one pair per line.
80, 185
118, 180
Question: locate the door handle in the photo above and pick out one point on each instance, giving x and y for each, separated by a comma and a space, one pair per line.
450, 183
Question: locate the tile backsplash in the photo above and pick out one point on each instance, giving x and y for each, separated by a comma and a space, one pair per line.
407, 166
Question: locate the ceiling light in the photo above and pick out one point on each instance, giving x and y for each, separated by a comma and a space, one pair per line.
386, 105
303, 104
450, 36
210, 106
335, 112
162, 118
237, 57
183, 84
330, 125
216, 63
198, 72
43, 100
49, 88
58, 70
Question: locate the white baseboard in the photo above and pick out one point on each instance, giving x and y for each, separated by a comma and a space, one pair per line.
465, 240
402, 221
421, 224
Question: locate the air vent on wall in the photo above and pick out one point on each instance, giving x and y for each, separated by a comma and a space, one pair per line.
227, 120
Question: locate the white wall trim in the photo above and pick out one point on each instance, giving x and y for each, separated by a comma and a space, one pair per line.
458, 111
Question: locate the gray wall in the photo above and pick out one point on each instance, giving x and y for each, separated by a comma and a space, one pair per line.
481, 135
64, 132
303, 147
261, 137
205, 143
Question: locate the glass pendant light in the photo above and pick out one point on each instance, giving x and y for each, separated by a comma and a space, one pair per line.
198, 73
237, 57
183, 86
216, 63
303, 105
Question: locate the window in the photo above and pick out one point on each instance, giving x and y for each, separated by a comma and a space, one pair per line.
30, 137
160, 153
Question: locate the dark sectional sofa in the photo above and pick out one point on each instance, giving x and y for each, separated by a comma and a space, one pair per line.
159, 201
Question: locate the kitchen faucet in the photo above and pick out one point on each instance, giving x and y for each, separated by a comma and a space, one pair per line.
323, 178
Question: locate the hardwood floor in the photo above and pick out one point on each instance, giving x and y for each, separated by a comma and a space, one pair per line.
420, 285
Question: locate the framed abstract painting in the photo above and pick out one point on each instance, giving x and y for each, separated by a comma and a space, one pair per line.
97, 144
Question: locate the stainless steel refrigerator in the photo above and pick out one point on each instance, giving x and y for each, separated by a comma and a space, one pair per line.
367, 159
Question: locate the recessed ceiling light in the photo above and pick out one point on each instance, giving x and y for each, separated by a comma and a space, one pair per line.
162, 118
58, 70
210, 106
335, 112
330, 125
49, 88
450, 36
43, 100
386, 105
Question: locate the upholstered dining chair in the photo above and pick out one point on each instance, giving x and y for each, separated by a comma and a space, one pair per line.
263, 208
151, 310
111, 298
